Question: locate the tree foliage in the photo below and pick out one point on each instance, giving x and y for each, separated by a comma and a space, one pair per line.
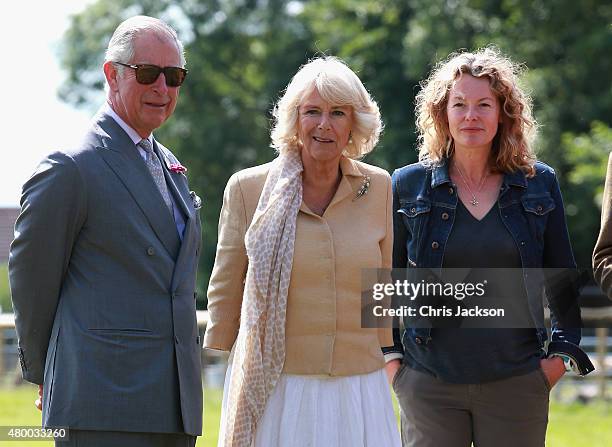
241, 54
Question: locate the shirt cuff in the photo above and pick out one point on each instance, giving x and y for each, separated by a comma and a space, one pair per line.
577, 355
393, 356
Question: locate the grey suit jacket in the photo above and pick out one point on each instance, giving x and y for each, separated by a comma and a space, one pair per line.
103, 290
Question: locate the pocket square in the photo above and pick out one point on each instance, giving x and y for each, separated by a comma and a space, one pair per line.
197, 202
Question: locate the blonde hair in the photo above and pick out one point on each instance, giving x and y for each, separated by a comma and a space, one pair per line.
513, 145
338, 85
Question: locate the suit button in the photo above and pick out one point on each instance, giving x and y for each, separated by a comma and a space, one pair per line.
418, 340
444, 216
413, 210
451, 191
435, 245
539, 208
150, 251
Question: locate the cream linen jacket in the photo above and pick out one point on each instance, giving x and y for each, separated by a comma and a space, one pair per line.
323, 324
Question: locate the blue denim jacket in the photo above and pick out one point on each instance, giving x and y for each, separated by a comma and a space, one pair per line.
424, 206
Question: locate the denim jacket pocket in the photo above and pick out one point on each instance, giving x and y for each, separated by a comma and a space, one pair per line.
414, 216
537, 208
540, 204
412, 209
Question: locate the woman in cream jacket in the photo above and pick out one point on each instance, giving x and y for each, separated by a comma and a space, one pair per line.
285, 291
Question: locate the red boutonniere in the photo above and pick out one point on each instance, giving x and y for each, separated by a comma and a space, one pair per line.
177, 168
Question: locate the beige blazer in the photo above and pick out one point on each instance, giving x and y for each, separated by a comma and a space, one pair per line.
323, 323
602, 255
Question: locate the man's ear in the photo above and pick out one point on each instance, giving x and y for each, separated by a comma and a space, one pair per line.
111, 74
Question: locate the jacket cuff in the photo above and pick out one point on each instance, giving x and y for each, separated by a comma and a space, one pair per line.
220, 337
28, 373
578, 356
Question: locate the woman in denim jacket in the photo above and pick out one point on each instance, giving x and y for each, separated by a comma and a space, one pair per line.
479, 199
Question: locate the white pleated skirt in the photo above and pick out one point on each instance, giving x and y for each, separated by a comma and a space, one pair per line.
317, 411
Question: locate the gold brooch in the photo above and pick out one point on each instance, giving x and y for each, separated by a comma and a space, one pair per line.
363, 189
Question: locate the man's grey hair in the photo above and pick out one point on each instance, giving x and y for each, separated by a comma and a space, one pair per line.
121, 46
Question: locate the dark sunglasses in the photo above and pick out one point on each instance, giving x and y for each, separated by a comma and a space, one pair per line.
147, 74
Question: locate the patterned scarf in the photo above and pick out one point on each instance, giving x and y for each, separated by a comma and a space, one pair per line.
259, 353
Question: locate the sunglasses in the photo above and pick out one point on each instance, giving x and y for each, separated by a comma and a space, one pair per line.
147, 74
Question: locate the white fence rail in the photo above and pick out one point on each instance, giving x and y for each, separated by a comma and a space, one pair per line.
596, 342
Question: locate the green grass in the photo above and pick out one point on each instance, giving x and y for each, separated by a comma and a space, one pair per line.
212, 415
571, 425
577, 425
17, 408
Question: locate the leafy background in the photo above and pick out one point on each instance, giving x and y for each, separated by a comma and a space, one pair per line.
241, 54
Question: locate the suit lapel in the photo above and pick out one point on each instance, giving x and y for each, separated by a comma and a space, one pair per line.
177, 183
119, 152
186, 252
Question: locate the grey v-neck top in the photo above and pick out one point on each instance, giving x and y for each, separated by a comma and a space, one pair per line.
477, 355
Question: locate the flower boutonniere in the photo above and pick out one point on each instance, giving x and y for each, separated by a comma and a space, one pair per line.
177, 168
363, 189
197, 202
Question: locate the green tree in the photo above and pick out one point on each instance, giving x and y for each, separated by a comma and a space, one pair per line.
241, 53
370, 37
588, 154
564, 44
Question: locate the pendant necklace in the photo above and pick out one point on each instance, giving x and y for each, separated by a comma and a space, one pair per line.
473, 202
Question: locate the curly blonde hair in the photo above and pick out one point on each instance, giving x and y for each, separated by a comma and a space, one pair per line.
513, 144
338, 85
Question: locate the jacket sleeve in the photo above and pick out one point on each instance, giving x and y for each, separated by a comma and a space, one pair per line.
562, 286
227, 279
53, 209
602, 255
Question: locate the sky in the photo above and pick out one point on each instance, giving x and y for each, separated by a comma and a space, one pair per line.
33, 120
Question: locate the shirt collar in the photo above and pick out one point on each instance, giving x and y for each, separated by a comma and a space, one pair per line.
439, 174
349, 167
125, 126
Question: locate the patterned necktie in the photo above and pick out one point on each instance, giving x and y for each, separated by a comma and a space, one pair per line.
155, 168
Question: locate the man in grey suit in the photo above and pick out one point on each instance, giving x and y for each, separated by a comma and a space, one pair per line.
103, 265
